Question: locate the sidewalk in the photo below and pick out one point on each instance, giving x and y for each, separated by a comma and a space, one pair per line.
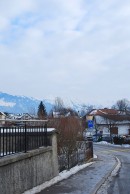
87, 180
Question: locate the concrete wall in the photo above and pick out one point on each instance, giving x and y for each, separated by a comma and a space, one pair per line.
24, 171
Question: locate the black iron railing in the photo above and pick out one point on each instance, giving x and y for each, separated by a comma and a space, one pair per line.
22, 139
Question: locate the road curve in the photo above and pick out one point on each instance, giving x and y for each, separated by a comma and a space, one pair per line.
120, 183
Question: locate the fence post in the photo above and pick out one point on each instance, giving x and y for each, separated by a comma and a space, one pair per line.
68, 160
25, 137
91, 147
77, 157
45, 134
0, 142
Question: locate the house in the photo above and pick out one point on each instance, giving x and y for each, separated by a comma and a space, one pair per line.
56, 114
64, 113
110, 121
2, 118
19, 119
25, 116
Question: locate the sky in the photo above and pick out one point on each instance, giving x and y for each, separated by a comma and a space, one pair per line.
77, 50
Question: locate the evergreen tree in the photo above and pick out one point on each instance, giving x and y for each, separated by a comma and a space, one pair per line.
41, 111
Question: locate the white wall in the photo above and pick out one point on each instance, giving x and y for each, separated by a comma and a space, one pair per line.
123, 130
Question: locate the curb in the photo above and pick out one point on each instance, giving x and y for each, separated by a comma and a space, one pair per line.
112, 172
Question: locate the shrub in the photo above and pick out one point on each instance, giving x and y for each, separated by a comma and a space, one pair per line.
118, 140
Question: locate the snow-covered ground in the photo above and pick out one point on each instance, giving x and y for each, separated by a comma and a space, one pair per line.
63, 175
109, 144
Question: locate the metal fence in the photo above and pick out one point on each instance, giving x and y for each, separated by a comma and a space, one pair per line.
22, 139
82, 153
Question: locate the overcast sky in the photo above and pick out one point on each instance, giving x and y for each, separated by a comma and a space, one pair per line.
73, 49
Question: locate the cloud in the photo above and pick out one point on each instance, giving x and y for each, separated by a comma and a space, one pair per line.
64, 48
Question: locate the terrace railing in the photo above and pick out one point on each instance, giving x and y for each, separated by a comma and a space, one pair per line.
23, 138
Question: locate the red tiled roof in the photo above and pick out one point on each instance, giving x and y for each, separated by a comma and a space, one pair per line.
104, 111
117, 117
107, 111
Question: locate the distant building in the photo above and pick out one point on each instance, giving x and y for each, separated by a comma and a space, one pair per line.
56, 114
2, 117
110, 121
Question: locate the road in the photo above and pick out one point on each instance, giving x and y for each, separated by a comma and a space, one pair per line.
88, 180
119, 184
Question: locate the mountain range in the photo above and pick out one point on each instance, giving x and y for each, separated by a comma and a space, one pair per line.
21, 104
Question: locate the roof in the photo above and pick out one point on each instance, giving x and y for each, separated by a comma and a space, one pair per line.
117, 117
1, 113
103, 115
104, 111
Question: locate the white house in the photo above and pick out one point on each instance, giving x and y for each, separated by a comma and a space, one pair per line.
110, 121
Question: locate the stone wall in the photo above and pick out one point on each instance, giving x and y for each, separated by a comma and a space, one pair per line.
23, 171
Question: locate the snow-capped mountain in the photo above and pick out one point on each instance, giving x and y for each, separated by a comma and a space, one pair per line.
21, 104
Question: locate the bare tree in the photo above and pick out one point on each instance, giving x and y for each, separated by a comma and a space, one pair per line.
86, 109
122, 105
59, 104
69, 130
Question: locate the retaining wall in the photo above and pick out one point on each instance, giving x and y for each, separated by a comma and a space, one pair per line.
23, 171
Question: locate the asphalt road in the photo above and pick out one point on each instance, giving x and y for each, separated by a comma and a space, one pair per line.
119, 184
86, 181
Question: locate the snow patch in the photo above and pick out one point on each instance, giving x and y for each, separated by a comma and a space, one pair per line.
103, 142
126, 145
93, 112
109, 144
115, 171
8, 104
95, 156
